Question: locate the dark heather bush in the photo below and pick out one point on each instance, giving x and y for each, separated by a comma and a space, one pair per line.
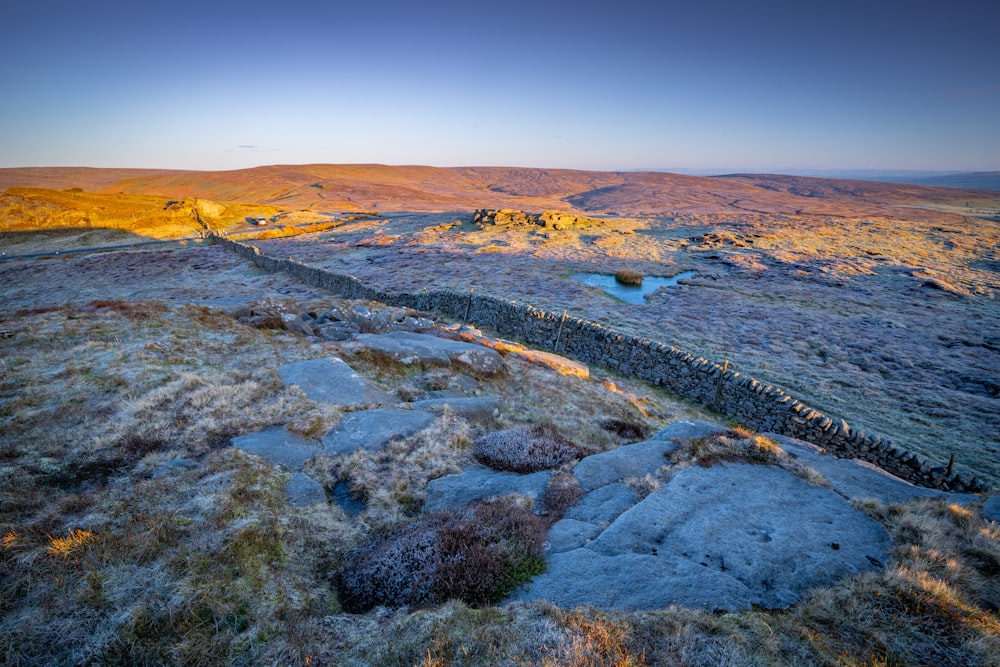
477, 554
396, 571
625, 429
524, 449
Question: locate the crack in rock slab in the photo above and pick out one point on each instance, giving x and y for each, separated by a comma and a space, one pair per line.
726, 537
331, 380
373, 429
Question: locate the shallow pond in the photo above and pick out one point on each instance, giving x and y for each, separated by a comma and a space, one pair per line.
630, 293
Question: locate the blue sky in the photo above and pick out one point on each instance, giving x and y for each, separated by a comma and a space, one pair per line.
610, 85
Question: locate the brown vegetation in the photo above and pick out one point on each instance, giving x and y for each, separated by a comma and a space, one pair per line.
103, 563
628, 277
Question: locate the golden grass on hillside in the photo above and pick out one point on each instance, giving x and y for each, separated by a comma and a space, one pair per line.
31, 209
295, 230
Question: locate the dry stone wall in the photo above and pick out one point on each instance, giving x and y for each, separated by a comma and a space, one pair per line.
752, 403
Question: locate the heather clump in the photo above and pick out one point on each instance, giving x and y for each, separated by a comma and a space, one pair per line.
524, 449
477, 554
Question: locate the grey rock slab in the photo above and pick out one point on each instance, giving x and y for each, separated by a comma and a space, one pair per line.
857, 479
689, 429
632, 582
471, 408
726, 537
569, 534
302, 491
331, 380
991, 508
479, 482
373, 429
635, 460
414, 348
276, 445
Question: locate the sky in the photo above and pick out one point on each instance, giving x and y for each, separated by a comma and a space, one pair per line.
700, 85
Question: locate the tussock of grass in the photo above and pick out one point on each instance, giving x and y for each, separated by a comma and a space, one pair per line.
628, 277
739, 444
394, 493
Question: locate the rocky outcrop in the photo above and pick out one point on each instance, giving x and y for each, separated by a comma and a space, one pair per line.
726, 537
557, 220
421, 349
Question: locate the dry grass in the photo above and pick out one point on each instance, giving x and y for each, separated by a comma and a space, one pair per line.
628, 277
742, 445
41, 220
294, 230
102, 564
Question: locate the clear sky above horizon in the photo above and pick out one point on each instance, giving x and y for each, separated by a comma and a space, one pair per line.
772, 85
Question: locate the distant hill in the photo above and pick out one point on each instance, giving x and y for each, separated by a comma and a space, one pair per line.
978, 180
360, 187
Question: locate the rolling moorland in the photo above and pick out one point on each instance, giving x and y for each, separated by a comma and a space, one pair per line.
871, 301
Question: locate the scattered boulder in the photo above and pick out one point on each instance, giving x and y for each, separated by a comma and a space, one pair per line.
524, 449
412, 348
276, 445
296, 324
336, 331
726, 537
477, 554
273, 313
303, 491
477, 483
373, 429
333, 381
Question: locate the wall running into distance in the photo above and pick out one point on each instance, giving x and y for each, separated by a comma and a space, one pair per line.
754, 404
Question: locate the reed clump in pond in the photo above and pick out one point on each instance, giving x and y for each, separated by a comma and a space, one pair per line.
629, 277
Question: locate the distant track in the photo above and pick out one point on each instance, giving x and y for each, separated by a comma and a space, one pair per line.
109, 248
